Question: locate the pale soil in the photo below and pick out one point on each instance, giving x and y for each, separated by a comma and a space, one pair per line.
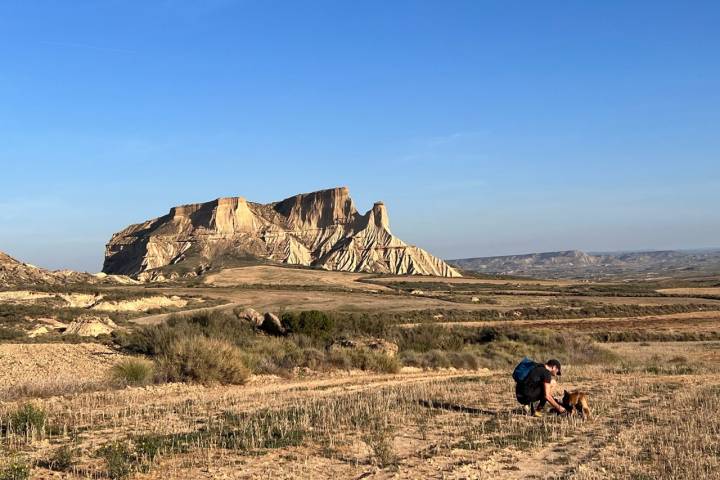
94, 302
141, 304
53, 368
23, 296
271, 275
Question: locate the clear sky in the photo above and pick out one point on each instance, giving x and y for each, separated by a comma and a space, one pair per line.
487, 127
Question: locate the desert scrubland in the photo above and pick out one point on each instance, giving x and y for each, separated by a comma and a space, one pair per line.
355, 376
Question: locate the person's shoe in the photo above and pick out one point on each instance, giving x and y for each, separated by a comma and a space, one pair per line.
526, 408
537, 414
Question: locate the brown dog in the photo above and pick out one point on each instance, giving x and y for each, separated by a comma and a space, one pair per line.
576, 400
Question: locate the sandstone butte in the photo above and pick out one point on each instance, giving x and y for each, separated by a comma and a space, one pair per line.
319, 229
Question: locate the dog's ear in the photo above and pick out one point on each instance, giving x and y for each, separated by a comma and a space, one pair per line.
565, 392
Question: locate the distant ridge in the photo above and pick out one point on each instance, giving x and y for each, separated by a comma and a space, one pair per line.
14, 272
579, 264
319, 229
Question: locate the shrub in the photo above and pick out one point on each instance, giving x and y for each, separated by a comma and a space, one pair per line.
156, 340
16, 469
204, 360
10, 333
118, 459
364, 360
62, 460
28, 419
312, 323
133, 371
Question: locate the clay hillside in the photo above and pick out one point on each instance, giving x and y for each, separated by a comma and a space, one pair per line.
319, 229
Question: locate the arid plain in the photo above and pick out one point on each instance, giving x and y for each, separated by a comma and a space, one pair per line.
391, 377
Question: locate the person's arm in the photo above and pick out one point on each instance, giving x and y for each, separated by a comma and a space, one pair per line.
549, 398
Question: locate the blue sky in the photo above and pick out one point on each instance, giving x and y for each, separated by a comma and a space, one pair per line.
487, 127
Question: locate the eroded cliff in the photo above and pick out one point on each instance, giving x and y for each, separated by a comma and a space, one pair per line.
321, 229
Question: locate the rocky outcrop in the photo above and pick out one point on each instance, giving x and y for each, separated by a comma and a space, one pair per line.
90, 326
320, 229
13, 273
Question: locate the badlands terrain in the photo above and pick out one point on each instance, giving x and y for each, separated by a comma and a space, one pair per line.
302, 339
321, 229
352, 375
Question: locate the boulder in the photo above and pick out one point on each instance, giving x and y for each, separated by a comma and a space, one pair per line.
90, 326
271, 324
36, 332
255, 318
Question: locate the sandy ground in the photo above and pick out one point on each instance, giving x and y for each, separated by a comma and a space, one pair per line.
53, 368
271, 275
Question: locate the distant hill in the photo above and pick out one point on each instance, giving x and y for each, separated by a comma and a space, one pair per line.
14, 272
318, 229
578, 264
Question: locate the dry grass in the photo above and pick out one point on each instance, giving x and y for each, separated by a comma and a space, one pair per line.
344, 431
204, 360
654, 401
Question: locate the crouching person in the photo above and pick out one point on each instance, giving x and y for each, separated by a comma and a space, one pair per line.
537, 387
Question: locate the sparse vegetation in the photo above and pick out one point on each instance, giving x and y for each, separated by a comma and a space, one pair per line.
14, 469
312, 323
62, 460
27, 420
133, 371
317, 421
202, 359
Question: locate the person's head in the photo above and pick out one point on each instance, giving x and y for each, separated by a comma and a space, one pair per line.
554, 366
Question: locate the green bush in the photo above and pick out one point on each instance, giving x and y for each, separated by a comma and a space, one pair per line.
133, 371
204, 360
62, 460
364, 360
156, 340
118, 459
312, 323
10, 333
15, 469
28, 419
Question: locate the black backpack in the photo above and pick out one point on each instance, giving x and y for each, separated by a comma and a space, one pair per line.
523, 369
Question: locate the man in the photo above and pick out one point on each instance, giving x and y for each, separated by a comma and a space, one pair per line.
537, 387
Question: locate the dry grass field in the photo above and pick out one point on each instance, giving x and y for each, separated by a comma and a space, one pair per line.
442, 407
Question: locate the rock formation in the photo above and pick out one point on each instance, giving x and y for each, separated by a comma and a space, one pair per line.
13, 273
320, 229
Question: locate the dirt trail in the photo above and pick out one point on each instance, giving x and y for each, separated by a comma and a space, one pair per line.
260, 392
